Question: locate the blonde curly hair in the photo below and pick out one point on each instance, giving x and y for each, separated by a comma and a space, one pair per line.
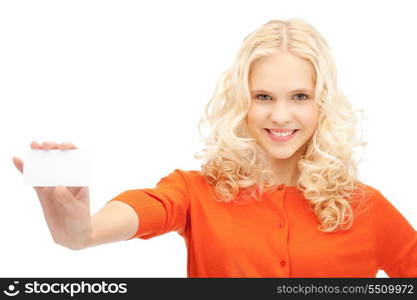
235, 165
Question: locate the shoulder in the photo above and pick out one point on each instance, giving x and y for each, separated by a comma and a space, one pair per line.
370, 191
374, 198
190, 174
190, 178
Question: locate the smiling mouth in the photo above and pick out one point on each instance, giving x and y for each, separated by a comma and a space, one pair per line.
281, 134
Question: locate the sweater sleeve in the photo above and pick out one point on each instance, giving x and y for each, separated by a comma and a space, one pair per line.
161, 209
395, 239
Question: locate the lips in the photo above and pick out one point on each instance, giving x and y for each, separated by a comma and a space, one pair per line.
274, 136
281, 130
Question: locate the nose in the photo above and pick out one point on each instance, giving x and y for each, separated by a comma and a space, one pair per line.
281, 113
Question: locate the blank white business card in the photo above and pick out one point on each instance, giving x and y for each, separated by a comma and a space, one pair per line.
56, 167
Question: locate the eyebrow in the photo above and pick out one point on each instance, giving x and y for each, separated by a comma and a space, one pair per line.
293, 91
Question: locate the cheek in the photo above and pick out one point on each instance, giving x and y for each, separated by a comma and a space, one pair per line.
313, 123
311, 117
252, 118
253, 123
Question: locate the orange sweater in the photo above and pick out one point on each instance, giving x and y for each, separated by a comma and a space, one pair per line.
277, 237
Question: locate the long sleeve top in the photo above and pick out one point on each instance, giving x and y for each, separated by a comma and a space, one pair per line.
275, 237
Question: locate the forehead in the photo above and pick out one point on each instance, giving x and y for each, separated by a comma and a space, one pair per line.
283, 71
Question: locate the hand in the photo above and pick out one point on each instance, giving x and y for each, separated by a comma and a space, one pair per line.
66, 210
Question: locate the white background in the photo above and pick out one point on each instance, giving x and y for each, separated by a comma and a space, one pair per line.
128, 81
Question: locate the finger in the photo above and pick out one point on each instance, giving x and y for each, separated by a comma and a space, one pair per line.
62, 194
49, 145
18, 163
67, 200
35, 145
74, 190
83, 196
66, 146
53, 145
42, 190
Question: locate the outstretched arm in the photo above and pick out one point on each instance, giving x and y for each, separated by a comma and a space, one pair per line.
67, 212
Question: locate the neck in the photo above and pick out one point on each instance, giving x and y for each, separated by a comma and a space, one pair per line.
287, 169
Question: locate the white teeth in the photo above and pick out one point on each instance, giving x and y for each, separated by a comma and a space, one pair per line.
281, 133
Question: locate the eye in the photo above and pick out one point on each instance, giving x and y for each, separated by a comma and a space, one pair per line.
303, 97
263, 97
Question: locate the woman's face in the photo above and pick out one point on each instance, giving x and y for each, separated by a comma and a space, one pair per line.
282, 91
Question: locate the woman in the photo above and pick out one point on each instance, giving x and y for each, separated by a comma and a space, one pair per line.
278, 194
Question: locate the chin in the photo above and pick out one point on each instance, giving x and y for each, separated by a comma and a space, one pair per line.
282, 154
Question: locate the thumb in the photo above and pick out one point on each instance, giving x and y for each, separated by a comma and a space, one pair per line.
18, 163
